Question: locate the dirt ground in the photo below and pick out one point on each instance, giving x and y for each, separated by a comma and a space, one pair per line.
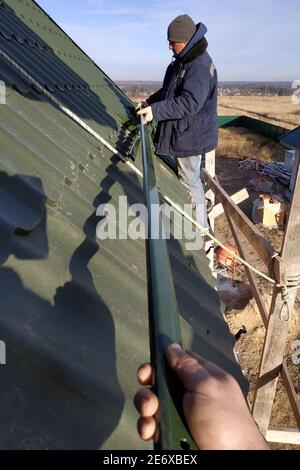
241, 309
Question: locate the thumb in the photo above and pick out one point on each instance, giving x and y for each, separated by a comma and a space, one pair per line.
188, 369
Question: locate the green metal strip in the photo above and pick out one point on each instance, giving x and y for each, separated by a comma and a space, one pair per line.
164, 325
228, 121
266, 129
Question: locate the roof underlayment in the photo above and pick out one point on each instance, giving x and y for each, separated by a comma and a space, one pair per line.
73, 309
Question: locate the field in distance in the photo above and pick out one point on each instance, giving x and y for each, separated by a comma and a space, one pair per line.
278, 110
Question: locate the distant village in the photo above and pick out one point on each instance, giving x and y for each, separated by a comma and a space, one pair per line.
139, 91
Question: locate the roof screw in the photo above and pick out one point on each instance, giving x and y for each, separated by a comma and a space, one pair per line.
68, 181
82, 167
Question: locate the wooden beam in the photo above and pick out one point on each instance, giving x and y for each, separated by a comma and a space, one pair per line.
284, 436
251, 277
287, 381
272, 358
290, 389
257, 241
210, 167
278, 322
237, 198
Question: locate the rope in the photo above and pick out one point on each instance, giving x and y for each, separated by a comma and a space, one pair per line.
285, 289
133, 167
214, 239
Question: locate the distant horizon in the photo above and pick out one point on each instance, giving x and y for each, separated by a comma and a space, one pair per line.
220, 81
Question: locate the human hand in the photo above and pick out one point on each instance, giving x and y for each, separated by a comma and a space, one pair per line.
214, 406
146, 113
141, 105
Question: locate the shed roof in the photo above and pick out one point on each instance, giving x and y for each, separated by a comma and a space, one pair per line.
292, 139
73, 310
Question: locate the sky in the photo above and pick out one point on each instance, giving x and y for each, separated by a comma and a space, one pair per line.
248, 39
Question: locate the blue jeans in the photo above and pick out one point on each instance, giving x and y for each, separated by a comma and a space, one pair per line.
189, 175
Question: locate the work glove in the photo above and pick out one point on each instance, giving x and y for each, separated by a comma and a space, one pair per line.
146, 114
142, 104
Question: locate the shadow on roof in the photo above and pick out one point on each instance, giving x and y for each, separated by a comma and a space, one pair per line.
59, 388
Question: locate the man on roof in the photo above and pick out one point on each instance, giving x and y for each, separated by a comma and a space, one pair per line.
186, 108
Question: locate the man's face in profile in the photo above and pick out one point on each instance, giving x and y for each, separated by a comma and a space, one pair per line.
176, 47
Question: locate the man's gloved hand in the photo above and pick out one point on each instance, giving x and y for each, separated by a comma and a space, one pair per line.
141, 105
146, 113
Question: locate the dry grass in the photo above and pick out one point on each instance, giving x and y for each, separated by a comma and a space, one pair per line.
238, 142
241, 143
278, 110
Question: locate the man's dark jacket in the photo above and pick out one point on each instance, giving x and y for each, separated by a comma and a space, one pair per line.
186, 105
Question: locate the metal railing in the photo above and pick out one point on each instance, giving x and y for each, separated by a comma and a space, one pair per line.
164, 325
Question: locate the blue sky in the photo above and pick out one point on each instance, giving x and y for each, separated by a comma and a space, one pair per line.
248, 39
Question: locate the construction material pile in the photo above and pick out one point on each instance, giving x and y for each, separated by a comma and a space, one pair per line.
277, 171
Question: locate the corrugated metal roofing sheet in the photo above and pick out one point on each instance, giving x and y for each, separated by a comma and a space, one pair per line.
73, 309
51, 69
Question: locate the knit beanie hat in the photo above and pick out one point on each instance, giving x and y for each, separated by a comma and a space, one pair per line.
181, 29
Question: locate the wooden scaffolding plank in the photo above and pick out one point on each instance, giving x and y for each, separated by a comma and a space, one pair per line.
287, 381
210, 167
237, 198
257, 241
278, 322
284, 436
290, 389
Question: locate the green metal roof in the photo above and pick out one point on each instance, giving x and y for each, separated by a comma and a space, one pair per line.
52, 59
73, 310
228, 121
